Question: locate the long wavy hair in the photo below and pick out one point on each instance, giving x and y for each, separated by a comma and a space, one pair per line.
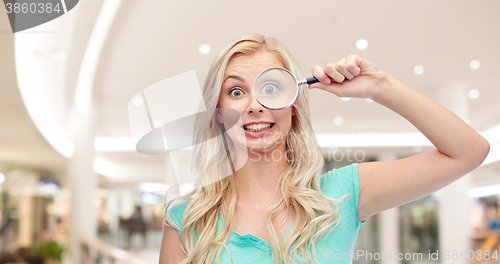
299, 184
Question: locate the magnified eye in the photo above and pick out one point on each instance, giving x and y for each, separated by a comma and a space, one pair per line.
270, 88
236, 92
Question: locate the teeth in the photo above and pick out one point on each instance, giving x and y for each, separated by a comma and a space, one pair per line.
257, 127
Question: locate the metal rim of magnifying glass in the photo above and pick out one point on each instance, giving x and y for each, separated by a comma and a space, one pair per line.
296, 86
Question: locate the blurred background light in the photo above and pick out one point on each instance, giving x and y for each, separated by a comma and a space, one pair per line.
338, 121
362, 44
204, 48
418, 70
475, 64
473, 93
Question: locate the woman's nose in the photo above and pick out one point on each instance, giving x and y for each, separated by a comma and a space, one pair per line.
254, 106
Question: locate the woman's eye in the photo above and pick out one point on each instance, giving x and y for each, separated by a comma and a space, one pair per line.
269, 89
236, 92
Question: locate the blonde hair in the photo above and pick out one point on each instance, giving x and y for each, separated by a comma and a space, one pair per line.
315, 214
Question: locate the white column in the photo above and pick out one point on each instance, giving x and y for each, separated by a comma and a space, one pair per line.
83, 182
170, 179
25, 224
454, 204
389, 225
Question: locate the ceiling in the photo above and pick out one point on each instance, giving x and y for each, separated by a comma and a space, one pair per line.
21, 144
151, 40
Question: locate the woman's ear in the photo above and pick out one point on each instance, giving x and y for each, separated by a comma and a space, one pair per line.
293, 111
219, 117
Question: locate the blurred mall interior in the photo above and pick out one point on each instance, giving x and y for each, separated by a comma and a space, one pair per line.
73, 188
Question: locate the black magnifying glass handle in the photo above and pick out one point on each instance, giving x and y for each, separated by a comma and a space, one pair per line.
311, 80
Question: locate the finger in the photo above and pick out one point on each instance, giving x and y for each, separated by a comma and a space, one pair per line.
341, 68
333, 73
320, 74
352, 64
335, 88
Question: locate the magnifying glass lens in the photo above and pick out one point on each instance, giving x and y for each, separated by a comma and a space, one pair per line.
275, 88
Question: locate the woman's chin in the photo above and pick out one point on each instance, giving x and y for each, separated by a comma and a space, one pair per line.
267, 149
258, 149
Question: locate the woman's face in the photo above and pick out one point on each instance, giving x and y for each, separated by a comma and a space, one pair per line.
264, 129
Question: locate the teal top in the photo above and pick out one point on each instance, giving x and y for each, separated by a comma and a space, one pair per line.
336, 247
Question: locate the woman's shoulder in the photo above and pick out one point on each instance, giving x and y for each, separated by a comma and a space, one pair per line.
343, 181
176, 212
340, 181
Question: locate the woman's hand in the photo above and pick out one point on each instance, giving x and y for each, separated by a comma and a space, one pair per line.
351, 76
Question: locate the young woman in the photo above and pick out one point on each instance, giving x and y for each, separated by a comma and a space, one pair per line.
278, 208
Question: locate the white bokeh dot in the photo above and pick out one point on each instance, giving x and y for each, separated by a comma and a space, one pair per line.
338, 121
369, 100
345, 99
473, 93
204, 48
362, 44
475, 64
137, 101
418, 70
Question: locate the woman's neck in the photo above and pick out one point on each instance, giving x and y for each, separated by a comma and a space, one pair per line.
257, 180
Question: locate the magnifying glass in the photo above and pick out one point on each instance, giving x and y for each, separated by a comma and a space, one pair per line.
277, 88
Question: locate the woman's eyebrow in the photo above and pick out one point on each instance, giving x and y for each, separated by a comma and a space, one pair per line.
239, 78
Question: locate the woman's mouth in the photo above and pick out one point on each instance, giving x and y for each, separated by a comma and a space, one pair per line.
258, 127
258, 130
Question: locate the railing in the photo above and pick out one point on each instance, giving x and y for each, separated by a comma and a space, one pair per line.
491, 243
96, 252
